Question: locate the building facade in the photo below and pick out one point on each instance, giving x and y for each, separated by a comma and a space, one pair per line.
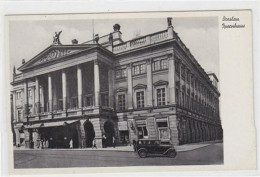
150, 87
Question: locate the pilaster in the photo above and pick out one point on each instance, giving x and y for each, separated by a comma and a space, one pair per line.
25, 99
64, 89
111, 79
96, 82
50, 91
171, 79
149, 83
130, 86
79, 79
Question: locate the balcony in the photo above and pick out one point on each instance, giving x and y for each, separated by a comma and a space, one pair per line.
72, 108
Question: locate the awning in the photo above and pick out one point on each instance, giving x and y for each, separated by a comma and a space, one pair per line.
50, 124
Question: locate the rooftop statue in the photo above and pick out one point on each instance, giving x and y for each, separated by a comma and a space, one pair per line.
56, 38
116, 27
169, 20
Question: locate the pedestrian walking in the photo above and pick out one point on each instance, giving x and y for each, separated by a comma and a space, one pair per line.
71, 144
42, 144
104, 141
94, 145
47, 144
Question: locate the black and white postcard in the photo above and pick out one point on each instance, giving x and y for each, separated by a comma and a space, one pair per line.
130, 90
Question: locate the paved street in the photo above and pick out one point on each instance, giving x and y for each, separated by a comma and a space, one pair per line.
212, 154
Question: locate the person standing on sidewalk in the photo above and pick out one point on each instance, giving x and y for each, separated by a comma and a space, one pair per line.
114, 141
94, 145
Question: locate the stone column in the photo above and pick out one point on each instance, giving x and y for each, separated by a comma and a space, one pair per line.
26, 138
64, 89
171, 79
98, 131
35, 137
81, 134
33, 100
50, 91
17, 136
79, 77
149, 83
180, 89
96, 82
25, 99
130, 87
111, 78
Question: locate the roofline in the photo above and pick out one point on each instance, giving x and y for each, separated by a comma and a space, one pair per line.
42, 52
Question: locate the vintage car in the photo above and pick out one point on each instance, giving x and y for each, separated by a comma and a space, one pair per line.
153, 147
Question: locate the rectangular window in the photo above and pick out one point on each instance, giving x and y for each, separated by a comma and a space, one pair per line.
183, 73
163, 129
104, 100
161, 97
164, 64
88, 101
177, 67
160, 64
139, 69
18, 95
121, 102
60, 104
177, 96
142, 132
74, 102
157, 65
120, 73
30, 93
136, 70
19, 115
140, 99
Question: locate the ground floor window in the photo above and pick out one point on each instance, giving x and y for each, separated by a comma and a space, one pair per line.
142, 132
163, 129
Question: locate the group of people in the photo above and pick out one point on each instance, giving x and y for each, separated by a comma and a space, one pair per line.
39, 144
104, 142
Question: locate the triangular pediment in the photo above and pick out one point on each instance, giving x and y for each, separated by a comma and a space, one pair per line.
54, 52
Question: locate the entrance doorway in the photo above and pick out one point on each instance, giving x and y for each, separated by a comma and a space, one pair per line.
109, 133
89, 133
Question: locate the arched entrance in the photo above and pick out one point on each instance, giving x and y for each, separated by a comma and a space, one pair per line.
89, 133
109, 133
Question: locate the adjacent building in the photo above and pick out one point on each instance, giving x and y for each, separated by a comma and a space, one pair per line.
150, 87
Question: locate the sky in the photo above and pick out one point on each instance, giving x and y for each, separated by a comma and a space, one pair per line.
199, 34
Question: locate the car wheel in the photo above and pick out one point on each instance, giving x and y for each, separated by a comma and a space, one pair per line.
172, 154
142, 153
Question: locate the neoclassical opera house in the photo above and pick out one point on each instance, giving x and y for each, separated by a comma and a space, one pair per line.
150, 87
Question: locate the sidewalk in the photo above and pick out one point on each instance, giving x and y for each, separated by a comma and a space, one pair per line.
181, 148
